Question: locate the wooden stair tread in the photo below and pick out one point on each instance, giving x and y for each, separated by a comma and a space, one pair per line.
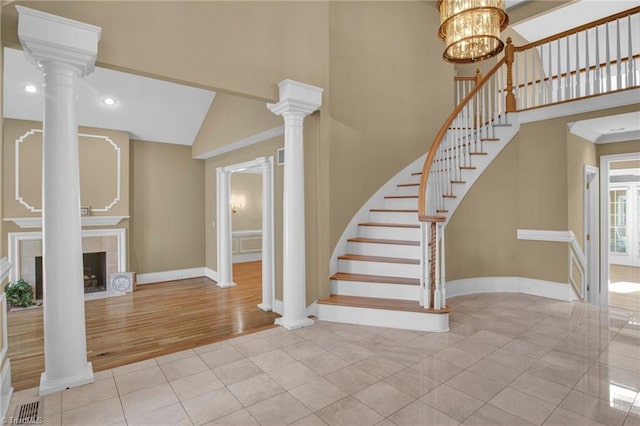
393, 210
408, 184
416, 173
467, 167
449, 196
400, 196
478, 153
345, 276
432, 218
458, 181
381, 259
382, 241
442, 211
489, 139
389, 225
380, 303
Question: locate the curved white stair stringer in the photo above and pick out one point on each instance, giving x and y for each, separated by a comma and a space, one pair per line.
376, 201
505, 133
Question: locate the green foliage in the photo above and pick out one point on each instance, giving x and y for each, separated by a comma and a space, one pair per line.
19, 293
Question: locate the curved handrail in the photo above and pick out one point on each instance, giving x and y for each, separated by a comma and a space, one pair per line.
578, 29
433, 150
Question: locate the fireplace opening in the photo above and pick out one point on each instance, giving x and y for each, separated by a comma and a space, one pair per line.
95, 273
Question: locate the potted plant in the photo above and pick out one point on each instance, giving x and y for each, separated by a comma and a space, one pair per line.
19, 294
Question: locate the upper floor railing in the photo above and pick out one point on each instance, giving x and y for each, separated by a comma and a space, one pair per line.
590, 60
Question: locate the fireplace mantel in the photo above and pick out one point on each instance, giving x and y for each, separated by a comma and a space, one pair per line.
36, 222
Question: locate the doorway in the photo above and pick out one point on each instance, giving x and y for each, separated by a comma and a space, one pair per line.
243, 244
621, 226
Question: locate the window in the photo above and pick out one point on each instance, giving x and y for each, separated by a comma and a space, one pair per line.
618, 221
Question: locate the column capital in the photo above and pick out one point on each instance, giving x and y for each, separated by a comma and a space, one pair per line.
47, 37
296, 97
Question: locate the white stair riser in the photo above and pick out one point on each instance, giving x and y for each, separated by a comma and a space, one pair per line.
366, 289
394, 217
384, 318
390, 250
407, 190
379, 268
389, 233
401, 203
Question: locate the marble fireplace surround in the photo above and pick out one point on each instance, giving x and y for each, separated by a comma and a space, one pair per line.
24, 247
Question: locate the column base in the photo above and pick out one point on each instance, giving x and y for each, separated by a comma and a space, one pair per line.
293, 324
265, 307
50, 386
226, 285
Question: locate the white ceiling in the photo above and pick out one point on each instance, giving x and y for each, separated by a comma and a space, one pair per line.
614, 128
149, 109
572, 15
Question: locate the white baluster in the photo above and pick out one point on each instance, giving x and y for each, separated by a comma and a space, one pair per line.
567, 78
598, 75
427, 280
549, 76
630, 71
423, 262
618, 57
443, 270
437, 298
608, 59
587, 64
577, 90
534, 80
526, 81
559, 76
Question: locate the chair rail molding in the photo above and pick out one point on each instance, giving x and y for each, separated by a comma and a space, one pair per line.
36, 222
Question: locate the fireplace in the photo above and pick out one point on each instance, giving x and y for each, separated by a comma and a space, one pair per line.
95, 273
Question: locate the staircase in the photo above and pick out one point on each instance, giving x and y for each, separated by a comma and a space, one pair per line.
378, 279
392, 270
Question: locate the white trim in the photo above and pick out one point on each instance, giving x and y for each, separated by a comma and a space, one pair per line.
16, 237
590, 219
605, 161
242, 143
36, 222
543, 235
5, 268
421, 321
549, 289
176, 274
33, 209
578, 106
210, 273
6, 390
278, 308
251, 232
246, 257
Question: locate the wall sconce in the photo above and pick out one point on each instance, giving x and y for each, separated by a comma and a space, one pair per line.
237, 203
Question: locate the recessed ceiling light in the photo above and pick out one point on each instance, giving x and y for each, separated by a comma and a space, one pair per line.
30, 88
617, 129
109, 101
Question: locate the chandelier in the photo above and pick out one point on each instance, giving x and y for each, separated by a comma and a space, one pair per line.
471, 29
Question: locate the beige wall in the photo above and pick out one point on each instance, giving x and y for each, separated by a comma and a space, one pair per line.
266, 148
580, 152
618, 147
534, 183
98, 169
239, 47
632, 164
390, 93
167, 208
231, 119
248, 188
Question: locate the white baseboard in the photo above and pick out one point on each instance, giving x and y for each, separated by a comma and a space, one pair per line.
278, 308
549, 289
211, 274
6, 390
178, 274
246, 257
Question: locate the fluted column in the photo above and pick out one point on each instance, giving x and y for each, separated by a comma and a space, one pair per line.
64, 50
225, 265
297, 100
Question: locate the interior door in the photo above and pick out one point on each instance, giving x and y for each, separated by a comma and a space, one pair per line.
624, 225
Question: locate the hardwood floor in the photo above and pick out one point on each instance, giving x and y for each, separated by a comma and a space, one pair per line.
155, 320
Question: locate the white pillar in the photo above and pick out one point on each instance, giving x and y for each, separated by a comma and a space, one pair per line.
225, 267
297, 100
267, 235
64, 50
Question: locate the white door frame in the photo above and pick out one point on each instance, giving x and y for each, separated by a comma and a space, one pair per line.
591, 237
265, 164
605, 161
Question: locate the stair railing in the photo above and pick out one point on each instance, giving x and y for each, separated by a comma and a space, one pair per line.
589, 60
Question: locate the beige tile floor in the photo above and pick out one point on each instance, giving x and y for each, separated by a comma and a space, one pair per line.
508, 360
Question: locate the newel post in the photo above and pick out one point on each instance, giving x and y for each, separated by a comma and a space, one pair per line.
511, 98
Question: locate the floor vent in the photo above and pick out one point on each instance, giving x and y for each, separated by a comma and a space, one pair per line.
28, 413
